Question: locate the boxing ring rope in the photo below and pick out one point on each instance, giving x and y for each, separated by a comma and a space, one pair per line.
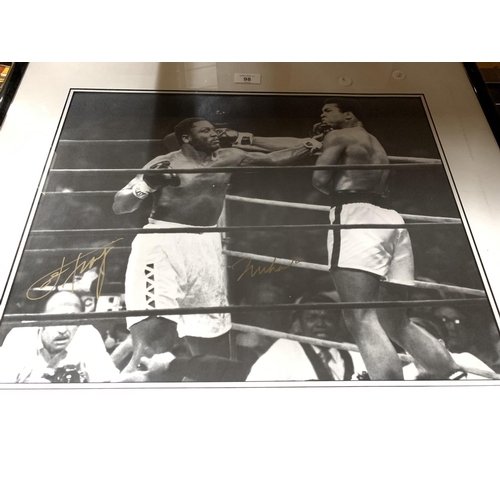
326, 208
78, 193
29, 318
276, 260
243, 169
397, 159
276, 334
70, 250
209, 229
440, 287
325, 268
107, 141
414, 159
260, 201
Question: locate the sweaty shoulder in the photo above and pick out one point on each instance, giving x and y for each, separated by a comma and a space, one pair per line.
345, 135
336, 137
168, 157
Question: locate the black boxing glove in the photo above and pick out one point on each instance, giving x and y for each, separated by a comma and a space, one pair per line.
227, 136
320, 129
151, 182
231, 138
157, 181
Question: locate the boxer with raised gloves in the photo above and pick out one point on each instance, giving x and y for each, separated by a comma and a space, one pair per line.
180, 269
154, 181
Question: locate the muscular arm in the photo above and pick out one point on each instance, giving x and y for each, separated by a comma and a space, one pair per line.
125, 200
276, 143
334, 147
276, 158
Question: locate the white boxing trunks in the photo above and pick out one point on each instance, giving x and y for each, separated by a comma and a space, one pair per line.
384, 252
178, 270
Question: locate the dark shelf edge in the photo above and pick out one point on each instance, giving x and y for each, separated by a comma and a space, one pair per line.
10, 88
484, 98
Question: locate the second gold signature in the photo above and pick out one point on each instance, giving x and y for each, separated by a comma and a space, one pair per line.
252, 271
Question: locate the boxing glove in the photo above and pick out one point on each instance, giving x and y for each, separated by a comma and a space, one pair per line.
231, 138
227, 137
319, 129
151, 182
162, 179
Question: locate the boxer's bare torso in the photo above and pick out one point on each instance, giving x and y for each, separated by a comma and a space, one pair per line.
198, 198
353, 146
348, 143
360, 148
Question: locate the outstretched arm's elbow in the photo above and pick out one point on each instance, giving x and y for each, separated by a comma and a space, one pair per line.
117, 209
119, 205
120, 209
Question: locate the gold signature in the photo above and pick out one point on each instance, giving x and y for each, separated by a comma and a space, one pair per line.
74, 267
261, 270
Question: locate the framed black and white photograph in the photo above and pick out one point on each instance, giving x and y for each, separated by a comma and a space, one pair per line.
211, 236
267, 413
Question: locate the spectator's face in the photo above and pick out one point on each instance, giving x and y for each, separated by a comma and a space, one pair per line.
319, 324
57, 338
203, 137
456, 338
332, 116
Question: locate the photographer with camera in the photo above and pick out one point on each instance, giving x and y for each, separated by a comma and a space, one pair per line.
64, 353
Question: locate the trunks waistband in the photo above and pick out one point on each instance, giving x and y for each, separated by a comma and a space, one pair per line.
164, 223
345, 197
161, 214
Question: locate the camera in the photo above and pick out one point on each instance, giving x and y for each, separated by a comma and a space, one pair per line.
68, 374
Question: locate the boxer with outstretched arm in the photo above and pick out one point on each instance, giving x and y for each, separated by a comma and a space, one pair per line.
184, 270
